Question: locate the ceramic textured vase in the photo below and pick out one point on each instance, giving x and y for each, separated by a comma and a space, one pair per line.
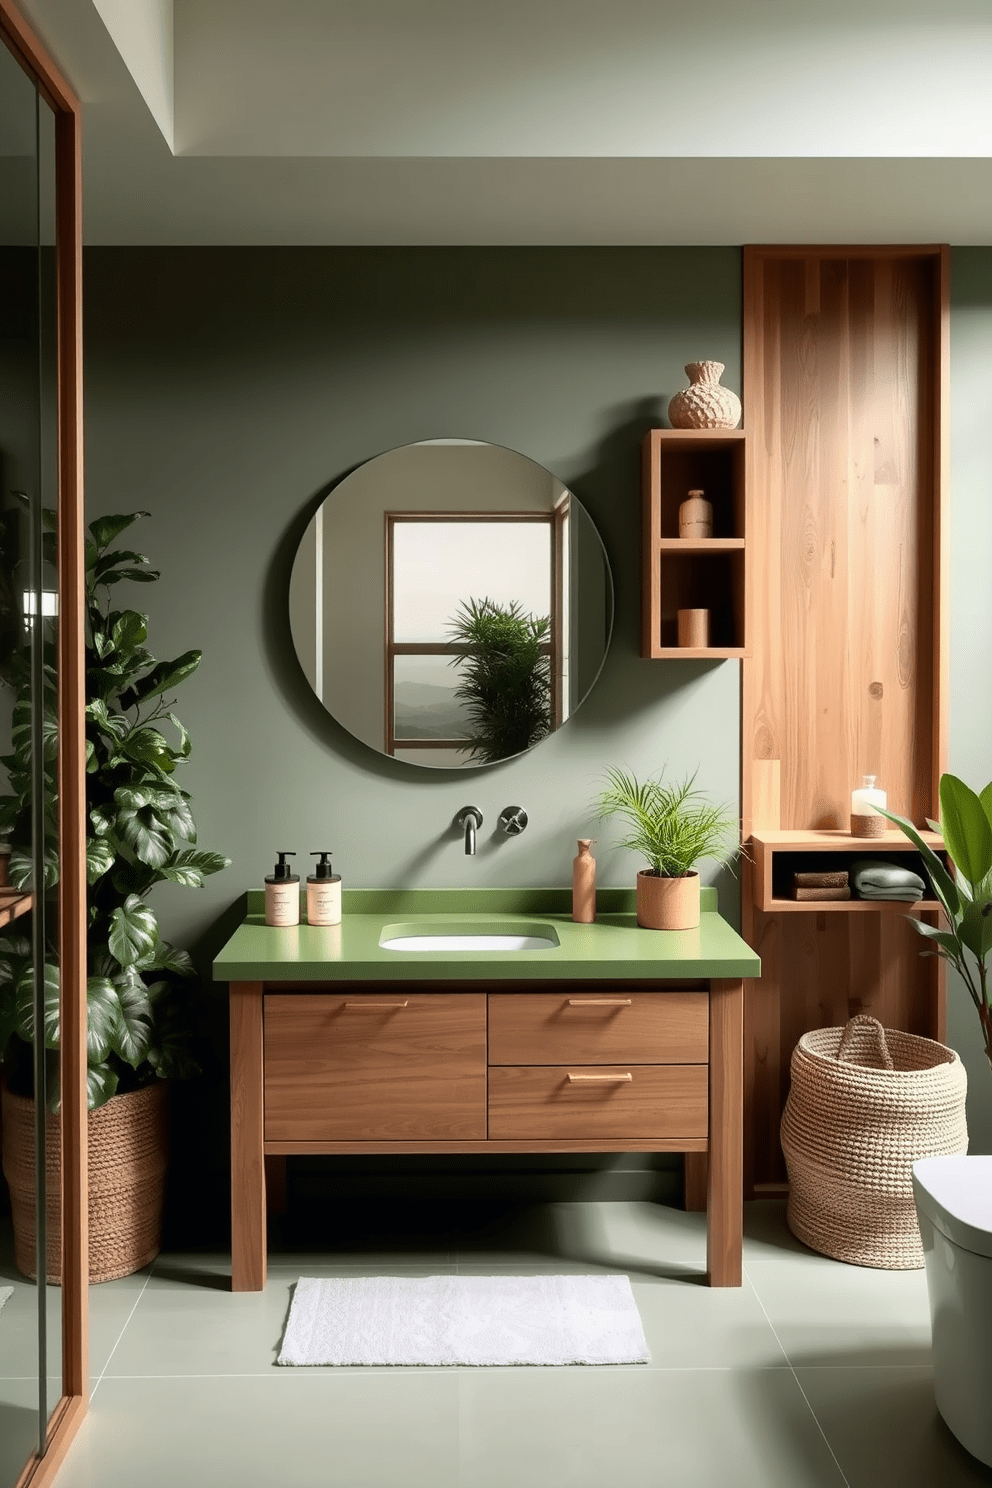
704, 404
667, 903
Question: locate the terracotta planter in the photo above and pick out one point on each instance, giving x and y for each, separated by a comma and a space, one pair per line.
128, 1153
667, 903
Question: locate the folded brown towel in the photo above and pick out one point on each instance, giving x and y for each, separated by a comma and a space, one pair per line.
833, 880
825, 894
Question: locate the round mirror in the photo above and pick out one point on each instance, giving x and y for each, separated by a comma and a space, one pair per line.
451, 603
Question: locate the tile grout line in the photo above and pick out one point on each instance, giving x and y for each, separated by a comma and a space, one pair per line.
121, 1333
795, 1376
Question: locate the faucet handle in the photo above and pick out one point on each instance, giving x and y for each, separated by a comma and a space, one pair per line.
513, 820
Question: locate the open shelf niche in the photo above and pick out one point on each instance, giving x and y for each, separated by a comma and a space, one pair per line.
693, 573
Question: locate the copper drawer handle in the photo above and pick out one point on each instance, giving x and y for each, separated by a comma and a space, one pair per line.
377, 1004
599, 1002
612, 1079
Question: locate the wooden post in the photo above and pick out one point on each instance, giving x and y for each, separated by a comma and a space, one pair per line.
726, 1177
248, 1267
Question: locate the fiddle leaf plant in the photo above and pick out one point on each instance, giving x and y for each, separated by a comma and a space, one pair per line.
140, 832
965, 941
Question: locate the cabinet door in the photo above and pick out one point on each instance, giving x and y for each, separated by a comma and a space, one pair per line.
598, 1026
375, 1066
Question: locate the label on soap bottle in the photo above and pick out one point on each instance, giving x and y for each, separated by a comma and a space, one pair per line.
324, 901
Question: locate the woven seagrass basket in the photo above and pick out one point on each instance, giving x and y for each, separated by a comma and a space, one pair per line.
864, 1105
128, 1153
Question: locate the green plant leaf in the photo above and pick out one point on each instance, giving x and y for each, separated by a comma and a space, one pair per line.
179, 820
113, 725
135, 1032
190, 867
119, 558
101, 1085
943, 883
147, 746
161, 678
966, 829
24, 1005
166, 957
105, 529
103, 1018
100, 857
148, 838
985, 797
133, 931
137, 575
130, 630
975, 929
101, 820
185, 743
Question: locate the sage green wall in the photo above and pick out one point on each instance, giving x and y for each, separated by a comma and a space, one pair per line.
970, 750
226, 389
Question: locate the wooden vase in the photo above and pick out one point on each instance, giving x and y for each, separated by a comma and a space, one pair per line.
667, 903
705, 403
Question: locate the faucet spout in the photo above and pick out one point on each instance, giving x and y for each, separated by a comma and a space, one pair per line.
470, 820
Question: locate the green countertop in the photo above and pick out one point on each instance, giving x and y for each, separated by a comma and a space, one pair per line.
613, 948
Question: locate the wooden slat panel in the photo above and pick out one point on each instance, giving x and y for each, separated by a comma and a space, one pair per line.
600, 1027
845, 380
365, 1066
661, 1102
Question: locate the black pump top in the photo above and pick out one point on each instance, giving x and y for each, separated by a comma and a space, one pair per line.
323, 870
282, 872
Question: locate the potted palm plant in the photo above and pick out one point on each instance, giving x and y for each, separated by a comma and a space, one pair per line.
140, 832
674, 827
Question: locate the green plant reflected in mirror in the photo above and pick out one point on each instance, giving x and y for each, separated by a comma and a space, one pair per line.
451, 603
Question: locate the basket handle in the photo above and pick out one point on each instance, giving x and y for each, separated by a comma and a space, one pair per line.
863, 1042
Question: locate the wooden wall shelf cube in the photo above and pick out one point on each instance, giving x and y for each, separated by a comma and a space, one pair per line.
694, 573
777, 855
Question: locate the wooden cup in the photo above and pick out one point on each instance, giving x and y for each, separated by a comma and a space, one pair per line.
694, 628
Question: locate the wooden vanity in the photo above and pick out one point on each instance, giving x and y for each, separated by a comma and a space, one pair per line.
477, 1057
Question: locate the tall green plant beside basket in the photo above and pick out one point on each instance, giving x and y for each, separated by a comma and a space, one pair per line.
965, 942
140, 832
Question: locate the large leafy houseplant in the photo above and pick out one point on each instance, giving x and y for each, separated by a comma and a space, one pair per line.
505, 677
140, 832
965, 941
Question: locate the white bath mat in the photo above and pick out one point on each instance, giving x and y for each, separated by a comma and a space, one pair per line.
464, 1320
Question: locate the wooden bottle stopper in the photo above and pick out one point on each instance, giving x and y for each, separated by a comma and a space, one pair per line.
694, 628
696, 516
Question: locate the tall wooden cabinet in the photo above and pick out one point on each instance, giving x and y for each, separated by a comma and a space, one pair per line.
845, 389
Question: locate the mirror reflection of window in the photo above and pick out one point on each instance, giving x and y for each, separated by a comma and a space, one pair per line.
444, 569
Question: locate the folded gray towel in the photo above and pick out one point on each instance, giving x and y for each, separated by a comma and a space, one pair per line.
908, 896
873, 878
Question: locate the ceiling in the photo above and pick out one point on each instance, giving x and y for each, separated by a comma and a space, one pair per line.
529, 121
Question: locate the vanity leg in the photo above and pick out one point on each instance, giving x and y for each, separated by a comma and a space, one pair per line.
695, 1181
247, 1164
725, 1217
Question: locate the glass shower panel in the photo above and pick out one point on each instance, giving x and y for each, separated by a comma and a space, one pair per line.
30, 1372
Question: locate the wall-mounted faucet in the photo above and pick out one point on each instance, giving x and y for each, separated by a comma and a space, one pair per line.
513, 820
470, 820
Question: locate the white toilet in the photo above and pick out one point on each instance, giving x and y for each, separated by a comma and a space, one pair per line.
954, 1207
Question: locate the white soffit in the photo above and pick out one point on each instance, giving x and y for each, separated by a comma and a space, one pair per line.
583, 78
905, 120
142, 31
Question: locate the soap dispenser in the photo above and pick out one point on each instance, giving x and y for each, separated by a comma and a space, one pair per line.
323, 893
282, 893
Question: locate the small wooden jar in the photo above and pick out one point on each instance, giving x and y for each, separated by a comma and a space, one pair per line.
696, 516
694, 627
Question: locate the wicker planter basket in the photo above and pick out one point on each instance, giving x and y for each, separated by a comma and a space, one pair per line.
128, 1152
864, 1104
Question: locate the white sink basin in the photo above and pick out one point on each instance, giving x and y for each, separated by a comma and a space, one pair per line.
435, 938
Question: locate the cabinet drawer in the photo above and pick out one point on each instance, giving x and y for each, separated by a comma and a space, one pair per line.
598, 1027
369, 1066
656, 1103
